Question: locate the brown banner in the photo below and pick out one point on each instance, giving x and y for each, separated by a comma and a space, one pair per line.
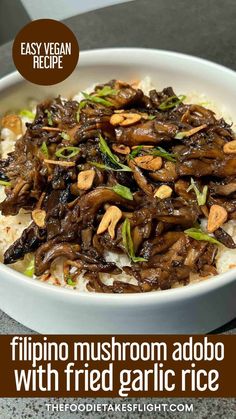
118, 366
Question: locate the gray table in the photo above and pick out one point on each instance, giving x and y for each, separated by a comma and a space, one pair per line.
205, 28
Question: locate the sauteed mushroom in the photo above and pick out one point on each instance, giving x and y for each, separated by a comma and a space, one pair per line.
126, 173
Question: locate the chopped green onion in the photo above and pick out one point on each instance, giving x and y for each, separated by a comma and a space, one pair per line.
81, 106
171, 102
96, 99
180, 135
112, 157
204, 103
104, 166
135, 152
44, 149
29, 271
151, 117
5, 183
198, 234
101, 166
65, 136
106, 91
49, 115
128, 242
72, 150
70, 281
159, 151
106, 150
123, 191
27, 114
201, 196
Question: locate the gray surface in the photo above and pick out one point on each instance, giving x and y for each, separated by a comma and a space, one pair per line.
62, 9
17, 17
205, 28
35, 408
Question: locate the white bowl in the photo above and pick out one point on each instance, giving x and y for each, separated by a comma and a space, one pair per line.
196, 308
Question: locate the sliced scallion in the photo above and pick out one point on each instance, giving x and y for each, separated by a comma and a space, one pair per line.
27, 114
171, 102
81, 106
44, 149
49, 115
96, 99
123, 191
65, 136
104, 148
135, 152
128, 242
201, 196
29, 271
67, 152
106, 91
5, 183
182, 134
159, 151
70, 281
198, 234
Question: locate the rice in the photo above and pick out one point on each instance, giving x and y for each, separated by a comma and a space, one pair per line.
11, 227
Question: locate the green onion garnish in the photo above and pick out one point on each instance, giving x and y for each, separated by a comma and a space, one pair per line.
135, 152
27, 114
70, 281
81, 106
204, 103
106, 91
29, 271
112, 157
44, 149
5, 183
102, 166
123, 191
128, 242
65, 136
201, 196
182, 134
159, 151
73, 151
171, 102
96, 99
198, 234
151, 117
49, 115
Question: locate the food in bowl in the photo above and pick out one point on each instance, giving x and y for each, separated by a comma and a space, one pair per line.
120, 189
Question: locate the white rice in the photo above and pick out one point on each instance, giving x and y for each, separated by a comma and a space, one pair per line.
11, 227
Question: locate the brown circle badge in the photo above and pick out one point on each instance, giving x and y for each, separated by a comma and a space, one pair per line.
45, 52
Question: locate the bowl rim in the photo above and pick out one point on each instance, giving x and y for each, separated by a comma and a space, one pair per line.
8, 79
191, 290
